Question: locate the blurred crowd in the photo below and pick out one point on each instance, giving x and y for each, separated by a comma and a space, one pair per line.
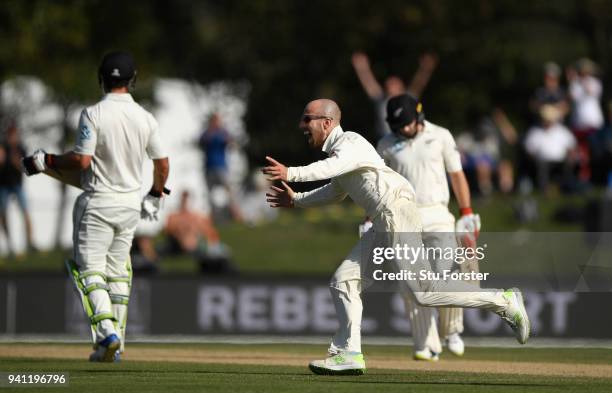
567, 148
11, 185
191, 230
188, 230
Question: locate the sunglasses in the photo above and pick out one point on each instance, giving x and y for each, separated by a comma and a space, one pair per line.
308, 118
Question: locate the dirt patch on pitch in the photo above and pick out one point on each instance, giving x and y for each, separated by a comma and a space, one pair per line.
245, 356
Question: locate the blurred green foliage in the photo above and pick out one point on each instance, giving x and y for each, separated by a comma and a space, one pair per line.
491, 51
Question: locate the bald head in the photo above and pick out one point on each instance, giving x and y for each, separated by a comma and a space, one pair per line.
319, 119
325, 107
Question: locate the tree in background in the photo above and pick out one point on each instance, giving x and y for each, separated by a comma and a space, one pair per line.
490, 52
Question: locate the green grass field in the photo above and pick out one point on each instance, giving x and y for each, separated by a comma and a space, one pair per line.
282, 368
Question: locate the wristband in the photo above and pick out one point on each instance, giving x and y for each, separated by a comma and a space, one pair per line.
465, 211
158, 194
154, 193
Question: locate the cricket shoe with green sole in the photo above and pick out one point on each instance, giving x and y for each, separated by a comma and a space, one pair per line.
344, 363
455, 344
515, 314
426, 355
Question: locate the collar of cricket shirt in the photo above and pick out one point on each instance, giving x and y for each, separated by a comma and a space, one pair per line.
126, 97
333, 136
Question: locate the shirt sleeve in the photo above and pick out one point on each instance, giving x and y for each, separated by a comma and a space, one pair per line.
450, 152
381, 148
329, 193
340, 162
87, 135
576, 90
155, 149
592, 87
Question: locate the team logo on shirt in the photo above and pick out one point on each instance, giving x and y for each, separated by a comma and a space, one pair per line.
84, 133
397, 146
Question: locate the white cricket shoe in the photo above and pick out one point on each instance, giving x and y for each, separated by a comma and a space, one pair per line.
107, 350
426, 355
344, 363
515, 314
455, 344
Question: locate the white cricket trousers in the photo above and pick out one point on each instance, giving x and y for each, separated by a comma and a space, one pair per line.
401, 216
438, 232
102, 239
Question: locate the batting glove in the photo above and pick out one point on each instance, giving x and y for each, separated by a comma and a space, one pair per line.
36, 163
150, 207
467, 228
152, 204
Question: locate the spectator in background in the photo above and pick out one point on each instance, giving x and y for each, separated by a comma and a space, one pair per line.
508, 142
551, 93
551, 146
143, 253
489, 152
190, 231
11, 184
393, 85
214, 142
585, 90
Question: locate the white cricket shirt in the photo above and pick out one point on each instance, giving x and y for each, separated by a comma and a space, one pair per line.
356, 170
586, 93
551, 144
118, 133
424, 160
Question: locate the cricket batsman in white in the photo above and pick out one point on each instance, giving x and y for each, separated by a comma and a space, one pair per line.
356, 170
424, 153
112, 140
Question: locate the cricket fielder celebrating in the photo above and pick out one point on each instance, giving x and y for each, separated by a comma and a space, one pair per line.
356, 170
423, 153
112, 139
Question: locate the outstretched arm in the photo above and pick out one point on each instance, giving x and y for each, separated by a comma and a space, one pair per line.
286, 197
506, 128
427, 64
368, 81
275, 170
328, 194
280, 197
338, 164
